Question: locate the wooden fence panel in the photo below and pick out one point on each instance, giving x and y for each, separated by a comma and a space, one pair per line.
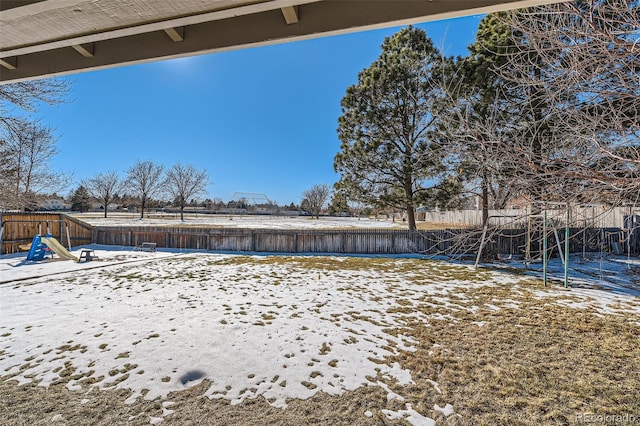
274, 242
80, 232
580, 217
358, 241
18, 229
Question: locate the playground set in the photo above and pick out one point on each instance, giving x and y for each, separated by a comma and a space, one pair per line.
45, 245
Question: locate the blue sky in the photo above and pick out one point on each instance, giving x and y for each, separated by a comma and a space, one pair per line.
259, 120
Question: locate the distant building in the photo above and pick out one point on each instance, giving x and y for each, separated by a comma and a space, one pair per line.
265, 209
97, 206
232, 210
521, 202
55, 204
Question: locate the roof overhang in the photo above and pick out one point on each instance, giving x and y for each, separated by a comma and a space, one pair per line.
43, 38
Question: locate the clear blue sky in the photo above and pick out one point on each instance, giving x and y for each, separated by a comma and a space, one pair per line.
259, 120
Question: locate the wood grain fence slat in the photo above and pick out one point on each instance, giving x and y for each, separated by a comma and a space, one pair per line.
369, 241
19, 229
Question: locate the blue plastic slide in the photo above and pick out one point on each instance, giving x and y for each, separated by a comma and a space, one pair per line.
37, 250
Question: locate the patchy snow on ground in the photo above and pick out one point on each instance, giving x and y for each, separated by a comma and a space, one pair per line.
157, 323
237, 221
252, 325
14, 267
597, 271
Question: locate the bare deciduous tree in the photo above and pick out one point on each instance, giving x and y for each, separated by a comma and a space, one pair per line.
104, 187
184, 182
564, 125
145, 180
26, 95
28, 153
16, 130
7, 176
316, 197
582, 61
474, 95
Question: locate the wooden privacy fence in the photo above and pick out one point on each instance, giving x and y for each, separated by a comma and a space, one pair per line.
361, 241
18, 229
269, 240
580, 217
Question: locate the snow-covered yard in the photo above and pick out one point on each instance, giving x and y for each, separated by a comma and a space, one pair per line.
282, 328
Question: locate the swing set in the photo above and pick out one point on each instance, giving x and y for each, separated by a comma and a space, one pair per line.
26, 247
615, 240
563, 252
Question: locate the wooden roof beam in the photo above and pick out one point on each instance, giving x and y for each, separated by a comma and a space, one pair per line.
85, 50
10, 63
175, 34
290, 14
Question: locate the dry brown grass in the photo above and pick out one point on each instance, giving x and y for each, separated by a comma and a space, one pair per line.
29, 405
538, 363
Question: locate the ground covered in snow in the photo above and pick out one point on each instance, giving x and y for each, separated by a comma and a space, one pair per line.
236, 221
195, 337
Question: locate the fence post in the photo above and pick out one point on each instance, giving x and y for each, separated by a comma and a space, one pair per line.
544, 248
566, 250
1, 234
253, 240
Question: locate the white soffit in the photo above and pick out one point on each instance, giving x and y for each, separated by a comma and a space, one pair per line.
56, 37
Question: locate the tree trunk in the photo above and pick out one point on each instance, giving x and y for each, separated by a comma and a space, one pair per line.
411, 217
143, 201
411, 214
485, 199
